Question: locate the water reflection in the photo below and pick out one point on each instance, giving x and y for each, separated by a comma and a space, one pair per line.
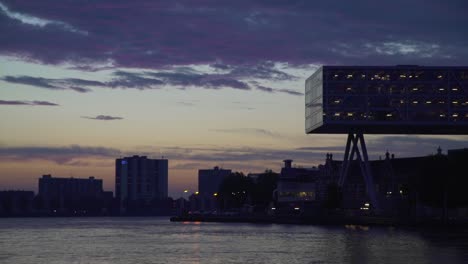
156, 240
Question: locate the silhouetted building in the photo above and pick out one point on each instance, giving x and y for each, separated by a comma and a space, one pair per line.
412, 187
297, 189
209, 180
16, 203
65, 194
139, 178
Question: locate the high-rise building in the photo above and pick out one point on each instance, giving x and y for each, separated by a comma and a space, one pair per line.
210, 180
140, 178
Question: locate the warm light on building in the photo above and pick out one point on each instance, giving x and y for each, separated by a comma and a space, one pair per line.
413, 102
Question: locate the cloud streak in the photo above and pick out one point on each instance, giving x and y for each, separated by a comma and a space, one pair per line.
251, 131
245, 157
273, 90
59, 155
103, 117
39, 22
180, 78
29, 103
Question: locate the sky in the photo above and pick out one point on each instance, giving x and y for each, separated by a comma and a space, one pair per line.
202, 83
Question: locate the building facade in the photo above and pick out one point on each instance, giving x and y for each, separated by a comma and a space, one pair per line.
16, 202
139, 178
209, 180
406, 99
297, 190
71, 193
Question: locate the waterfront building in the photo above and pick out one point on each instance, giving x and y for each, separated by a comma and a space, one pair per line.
139, 178
209, 180
297, 189
417, 187
16, 202
406, 99
402, 99
66, 194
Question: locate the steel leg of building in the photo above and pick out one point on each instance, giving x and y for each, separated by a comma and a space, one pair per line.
354, 142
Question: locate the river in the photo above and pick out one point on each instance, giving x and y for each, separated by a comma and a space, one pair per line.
157, 240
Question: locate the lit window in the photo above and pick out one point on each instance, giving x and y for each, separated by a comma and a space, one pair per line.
428, 102
455, 102
455, 115
455, 89
337, 101
350, 114
402, 76
439, 77
415, 102
389, 115
441, 89
336, 75
415, 89
441, 102
348, 89
337, 114
442, 115
349, 76
363, 76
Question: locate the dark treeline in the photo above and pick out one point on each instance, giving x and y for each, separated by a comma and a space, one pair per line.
238, 190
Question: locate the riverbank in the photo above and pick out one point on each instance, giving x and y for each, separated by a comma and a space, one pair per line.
359, 221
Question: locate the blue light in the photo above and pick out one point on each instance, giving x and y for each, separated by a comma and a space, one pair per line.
124, 162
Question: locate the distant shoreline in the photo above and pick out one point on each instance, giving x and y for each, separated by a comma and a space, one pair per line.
331, 221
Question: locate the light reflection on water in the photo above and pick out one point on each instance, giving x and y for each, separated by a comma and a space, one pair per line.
156, 240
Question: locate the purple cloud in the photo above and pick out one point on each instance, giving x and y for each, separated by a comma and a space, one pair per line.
234, 33
52, 84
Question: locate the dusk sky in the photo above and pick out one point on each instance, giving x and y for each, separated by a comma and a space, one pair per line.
203, 83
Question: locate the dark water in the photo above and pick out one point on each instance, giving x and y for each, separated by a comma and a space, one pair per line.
156, 240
